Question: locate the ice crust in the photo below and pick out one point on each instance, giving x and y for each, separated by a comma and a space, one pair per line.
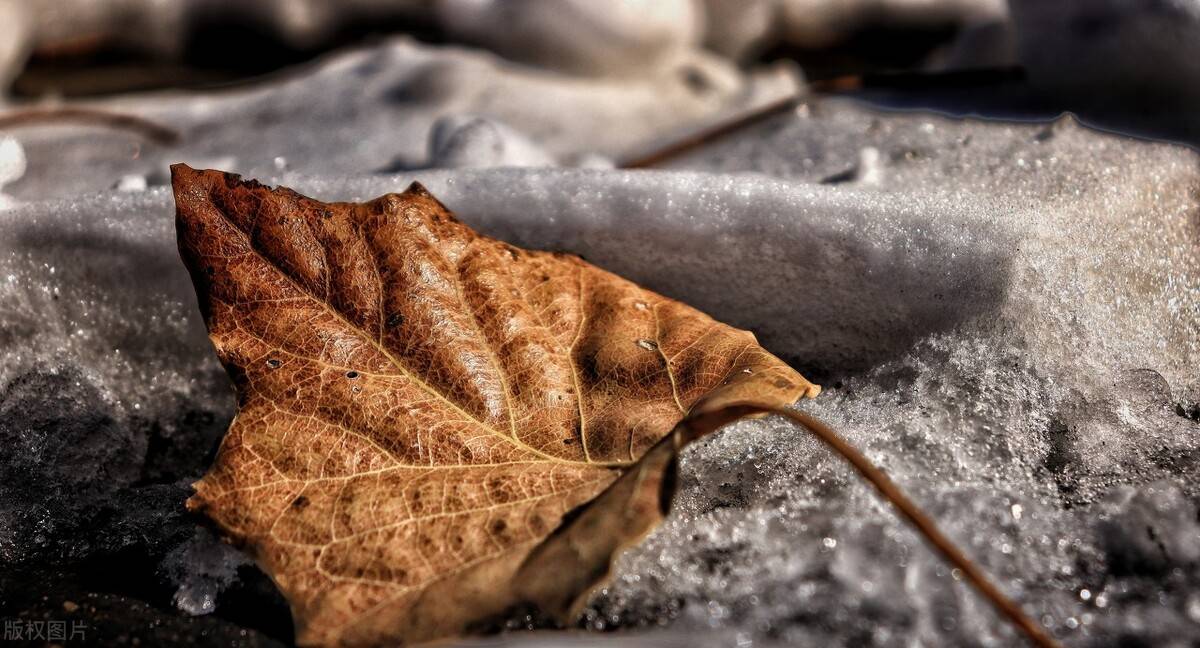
202, 567
1006, 317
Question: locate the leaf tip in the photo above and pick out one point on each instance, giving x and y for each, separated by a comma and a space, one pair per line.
182, 175
195, 504
418, 189
199, 500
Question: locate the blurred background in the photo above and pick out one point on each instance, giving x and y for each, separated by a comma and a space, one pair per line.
1123, 64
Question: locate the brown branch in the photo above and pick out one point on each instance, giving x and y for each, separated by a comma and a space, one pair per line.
150, 130
895, 81
698, 139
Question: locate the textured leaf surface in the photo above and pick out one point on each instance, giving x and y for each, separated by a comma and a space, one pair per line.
435, 427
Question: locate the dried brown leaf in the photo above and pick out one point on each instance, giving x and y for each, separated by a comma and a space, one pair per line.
435, 427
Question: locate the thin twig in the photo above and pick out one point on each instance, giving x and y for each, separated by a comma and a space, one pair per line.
150, 130
946, 80
698, 139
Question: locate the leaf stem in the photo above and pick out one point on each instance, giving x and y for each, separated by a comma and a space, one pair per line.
892, 493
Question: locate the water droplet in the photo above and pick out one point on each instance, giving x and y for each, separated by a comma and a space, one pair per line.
273, 363
352, 375
648, 345
641, 305
1085, 594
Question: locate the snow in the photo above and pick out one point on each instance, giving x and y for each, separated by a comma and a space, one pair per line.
1005, 317
372, 111
12, 167
581, 36
461, 141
